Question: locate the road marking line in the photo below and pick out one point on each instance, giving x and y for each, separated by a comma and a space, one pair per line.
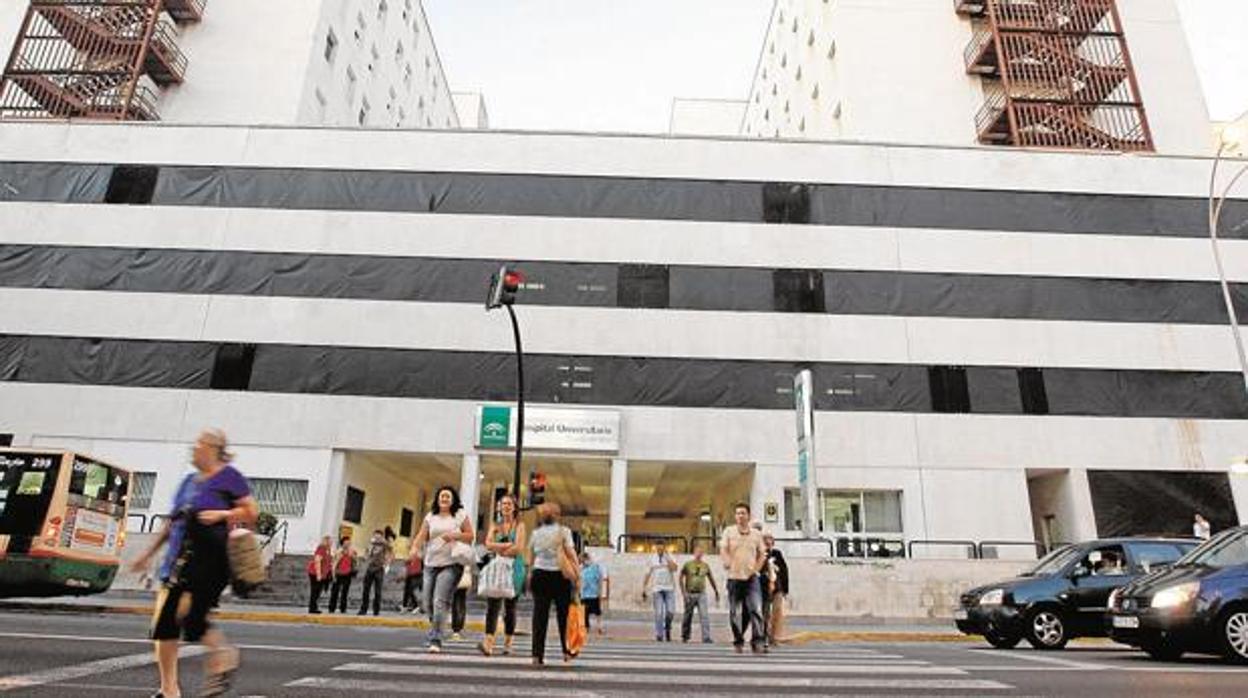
358, 686
764, 681
78, 671
592, 660
1057, 661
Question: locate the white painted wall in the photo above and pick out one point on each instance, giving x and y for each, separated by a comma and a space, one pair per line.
470, 108
384, 498
1065, 496
706, 117
898, 74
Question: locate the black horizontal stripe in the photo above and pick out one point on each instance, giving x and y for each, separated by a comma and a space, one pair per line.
362, 277
826, 203
611, 380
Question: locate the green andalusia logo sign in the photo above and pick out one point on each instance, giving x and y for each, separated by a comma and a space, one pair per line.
495, 427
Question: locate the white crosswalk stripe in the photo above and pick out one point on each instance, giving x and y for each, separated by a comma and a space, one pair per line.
611, 669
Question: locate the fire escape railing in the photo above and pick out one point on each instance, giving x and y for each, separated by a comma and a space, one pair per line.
1057, 74
95, 59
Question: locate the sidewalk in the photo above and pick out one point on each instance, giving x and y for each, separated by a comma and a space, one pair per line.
621, 625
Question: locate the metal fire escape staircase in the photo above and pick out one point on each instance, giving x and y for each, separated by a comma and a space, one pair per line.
92, 58
1057, 74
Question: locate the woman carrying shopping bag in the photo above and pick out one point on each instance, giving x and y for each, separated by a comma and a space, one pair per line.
505, 539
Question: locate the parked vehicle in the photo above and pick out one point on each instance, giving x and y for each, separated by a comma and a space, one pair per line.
1200, 604
1067, 593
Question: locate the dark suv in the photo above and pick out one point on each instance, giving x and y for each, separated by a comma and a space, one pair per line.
1067, 593
1200, 604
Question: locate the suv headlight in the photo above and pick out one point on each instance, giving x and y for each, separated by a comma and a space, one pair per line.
992, 598
1176, 596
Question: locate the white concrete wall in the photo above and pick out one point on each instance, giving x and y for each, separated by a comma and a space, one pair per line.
706, 117
470, 108
247, 63
11, 15
1166, 72
384, 497
1065, 496
899, 75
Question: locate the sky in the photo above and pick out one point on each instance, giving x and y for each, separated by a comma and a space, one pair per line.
616, 65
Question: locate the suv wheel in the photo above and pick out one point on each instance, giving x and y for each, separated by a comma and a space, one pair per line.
1234, 628
1000, 640
1046, 629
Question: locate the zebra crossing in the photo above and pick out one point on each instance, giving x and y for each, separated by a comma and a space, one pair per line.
632, 668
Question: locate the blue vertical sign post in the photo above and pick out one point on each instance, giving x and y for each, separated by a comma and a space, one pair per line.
803, 391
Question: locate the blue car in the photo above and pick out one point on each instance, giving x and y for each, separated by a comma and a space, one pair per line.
1200, 604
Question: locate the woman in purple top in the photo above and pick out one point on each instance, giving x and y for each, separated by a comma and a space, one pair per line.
197, 565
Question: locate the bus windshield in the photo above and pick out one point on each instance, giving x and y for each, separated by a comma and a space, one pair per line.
27, 482
97, 486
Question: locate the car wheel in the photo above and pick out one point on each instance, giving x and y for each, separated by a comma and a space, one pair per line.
1162, 651
1235, 635
1046, 629
1000, 640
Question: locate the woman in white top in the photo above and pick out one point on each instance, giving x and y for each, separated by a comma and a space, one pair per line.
442, 528
547, 583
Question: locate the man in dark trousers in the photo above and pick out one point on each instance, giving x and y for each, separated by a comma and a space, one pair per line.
377, 557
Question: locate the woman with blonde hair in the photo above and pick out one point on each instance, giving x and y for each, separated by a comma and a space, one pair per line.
505, 539
196, 568
549, 542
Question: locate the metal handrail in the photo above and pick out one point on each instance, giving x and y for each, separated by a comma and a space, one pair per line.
975, 48
866, 540
825, 541
994, 105
1034, 544
282, 528
970, 546
151, 524
620, 540
165, 39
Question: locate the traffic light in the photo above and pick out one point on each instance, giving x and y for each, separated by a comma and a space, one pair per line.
503, 287
537, 487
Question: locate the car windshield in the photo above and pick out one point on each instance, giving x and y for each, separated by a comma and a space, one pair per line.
1223, 550
1054, 562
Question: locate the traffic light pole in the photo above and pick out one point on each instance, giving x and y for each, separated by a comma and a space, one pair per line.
515, 328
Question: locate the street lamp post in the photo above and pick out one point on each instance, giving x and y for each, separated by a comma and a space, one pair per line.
1232, 137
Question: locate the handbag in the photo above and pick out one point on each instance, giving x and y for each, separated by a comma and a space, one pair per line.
246, 564
577, 634
568, 566
463, 554
498, 579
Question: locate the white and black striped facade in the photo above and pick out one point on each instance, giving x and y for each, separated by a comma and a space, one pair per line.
1073, 295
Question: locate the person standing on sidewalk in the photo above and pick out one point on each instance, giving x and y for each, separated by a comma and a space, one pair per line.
780, 590
377, 558
196, 567
414, 571
320, 572
549, 584
442, 529
661, 582
595, 590
741, 551
344, 572
694, 576
505, 538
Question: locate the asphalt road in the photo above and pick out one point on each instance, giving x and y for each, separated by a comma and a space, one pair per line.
99, 656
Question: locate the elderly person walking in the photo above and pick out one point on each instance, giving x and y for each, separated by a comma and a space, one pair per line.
196, 568
549, 584
442, 528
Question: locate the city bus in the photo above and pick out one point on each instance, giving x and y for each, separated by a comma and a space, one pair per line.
62, 522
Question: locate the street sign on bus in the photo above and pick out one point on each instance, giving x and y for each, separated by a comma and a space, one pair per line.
803, 391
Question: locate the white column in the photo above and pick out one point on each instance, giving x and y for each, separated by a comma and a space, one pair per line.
335, 494
617, 522
1082, 513
1239, 495
470, 484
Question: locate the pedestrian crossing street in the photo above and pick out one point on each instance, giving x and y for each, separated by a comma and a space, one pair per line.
638, 668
